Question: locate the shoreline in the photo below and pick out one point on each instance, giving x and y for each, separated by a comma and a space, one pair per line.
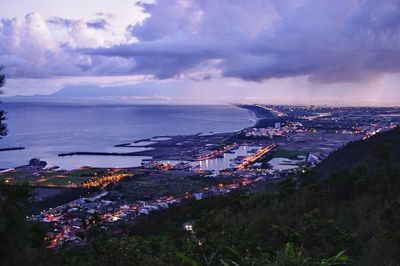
176, 147
157, 147
254, 109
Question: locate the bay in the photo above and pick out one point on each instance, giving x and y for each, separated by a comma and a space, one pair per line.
46, 129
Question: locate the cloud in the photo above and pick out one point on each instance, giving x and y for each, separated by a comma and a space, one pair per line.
326, 41
29, 50
83, 33
105, 15
59, 21
329, 41
26, 45
98, 23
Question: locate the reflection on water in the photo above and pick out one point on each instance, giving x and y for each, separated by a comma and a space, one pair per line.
73, 162
218, 164
285, 163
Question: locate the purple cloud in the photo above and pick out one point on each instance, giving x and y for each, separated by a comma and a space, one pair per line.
329, 41
98, 24
29, 50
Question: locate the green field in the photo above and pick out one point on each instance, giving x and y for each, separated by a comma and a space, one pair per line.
146, 186
53, 178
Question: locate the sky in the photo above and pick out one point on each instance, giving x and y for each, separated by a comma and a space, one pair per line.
274, 51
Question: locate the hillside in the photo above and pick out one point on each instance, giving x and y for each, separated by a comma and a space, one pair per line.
381, 149
351, 217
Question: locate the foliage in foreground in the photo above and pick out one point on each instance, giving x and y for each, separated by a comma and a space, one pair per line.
3, 125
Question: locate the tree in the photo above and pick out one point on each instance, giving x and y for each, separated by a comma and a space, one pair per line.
3, 125
21, 242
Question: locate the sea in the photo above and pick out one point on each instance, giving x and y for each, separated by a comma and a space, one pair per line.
48, 128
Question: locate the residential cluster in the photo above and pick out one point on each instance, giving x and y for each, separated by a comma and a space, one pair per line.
279, 130
167, 165
310, 134
71, 222
103, 181
263, 132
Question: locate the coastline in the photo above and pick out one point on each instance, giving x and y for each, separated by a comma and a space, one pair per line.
162, 147
169, 149
254, 109
178, 147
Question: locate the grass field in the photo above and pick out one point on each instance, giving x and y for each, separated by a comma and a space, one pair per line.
146, 186
53, 178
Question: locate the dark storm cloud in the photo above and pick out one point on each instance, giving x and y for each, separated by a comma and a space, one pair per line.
97, 24
60, 21
327, 41
330, 41
163, 58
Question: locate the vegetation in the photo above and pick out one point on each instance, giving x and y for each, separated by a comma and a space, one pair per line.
149, 186
3, 125
65, 196
54, 178
21, 243
376, 152
351, 217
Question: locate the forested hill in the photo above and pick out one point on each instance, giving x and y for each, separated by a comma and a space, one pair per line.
379, 150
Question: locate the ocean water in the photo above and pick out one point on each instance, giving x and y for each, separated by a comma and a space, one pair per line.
46, 129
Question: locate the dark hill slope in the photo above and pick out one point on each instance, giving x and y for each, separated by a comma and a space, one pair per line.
373, 152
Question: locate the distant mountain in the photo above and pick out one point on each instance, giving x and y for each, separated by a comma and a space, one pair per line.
140, 90
166, 90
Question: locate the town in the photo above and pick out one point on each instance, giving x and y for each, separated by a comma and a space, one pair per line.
285, 140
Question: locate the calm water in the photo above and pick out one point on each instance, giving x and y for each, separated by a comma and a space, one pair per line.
217, 164
47, 129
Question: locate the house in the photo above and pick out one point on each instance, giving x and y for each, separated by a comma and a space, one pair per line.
163, 205
197, 196
311, 159
144, 211
141, 203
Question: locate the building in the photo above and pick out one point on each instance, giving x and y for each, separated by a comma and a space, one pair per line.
197, 196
